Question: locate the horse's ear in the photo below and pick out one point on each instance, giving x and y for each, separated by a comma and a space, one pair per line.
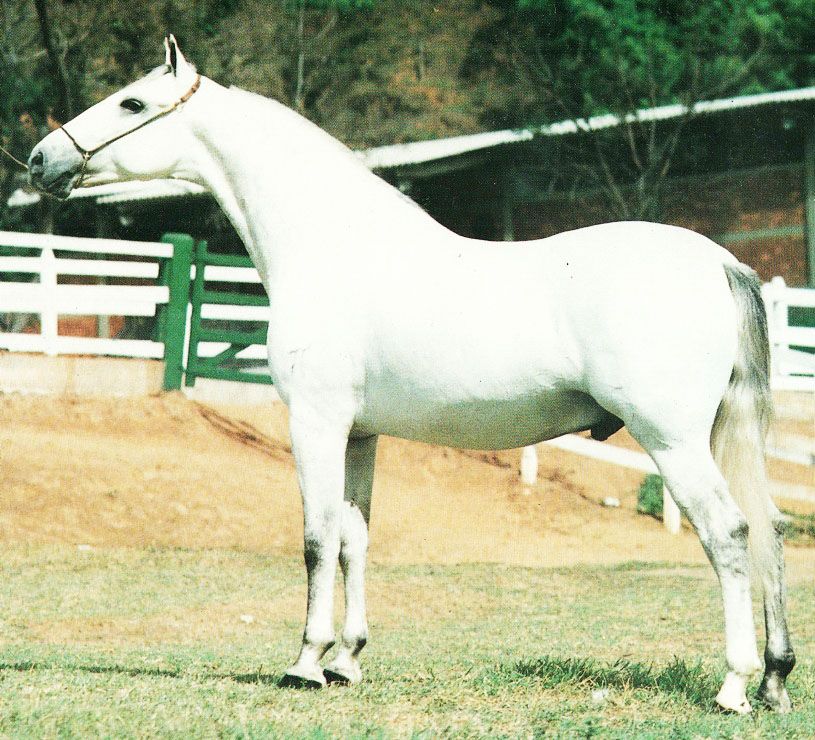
173, 56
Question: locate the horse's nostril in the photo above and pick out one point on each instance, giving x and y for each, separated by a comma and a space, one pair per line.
37, 159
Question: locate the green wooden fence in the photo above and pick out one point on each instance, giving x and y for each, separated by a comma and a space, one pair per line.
186, 324
172, 320
212, 288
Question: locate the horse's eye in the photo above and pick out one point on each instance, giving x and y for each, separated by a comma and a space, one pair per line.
132, 105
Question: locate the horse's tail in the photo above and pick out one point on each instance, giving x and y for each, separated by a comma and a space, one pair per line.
742, 420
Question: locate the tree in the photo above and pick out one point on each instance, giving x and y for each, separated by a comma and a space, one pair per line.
547, 60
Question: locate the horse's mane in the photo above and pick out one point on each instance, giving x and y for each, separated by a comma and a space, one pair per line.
270, 105
267, 106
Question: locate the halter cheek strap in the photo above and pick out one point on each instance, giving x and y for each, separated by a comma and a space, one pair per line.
86, 154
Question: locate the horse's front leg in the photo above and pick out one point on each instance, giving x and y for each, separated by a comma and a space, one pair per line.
359, 475
319, 453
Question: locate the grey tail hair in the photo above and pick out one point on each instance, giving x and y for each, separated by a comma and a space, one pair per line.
738, 436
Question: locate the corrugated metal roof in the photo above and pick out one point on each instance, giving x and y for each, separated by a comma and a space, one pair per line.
397, 155
400, 155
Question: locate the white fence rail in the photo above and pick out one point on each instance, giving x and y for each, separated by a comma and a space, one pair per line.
792, 369
44, 294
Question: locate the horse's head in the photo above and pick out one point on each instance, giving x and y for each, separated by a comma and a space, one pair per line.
128, 136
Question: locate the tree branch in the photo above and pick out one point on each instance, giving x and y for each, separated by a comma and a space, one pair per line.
59, 76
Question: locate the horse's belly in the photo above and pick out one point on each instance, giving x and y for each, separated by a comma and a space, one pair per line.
480, 422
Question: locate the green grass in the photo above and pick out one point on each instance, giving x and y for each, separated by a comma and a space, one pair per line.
151, 644
799, 527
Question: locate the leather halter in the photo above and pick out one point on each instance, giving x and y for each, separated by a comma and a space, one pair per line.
86, 154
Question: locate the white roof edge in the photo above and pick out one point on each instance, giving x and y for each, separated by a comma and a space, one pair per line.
416, 152
117, 192
395, 155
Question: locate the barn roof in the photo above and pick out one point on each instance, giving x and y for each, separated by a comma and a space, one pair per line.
399, 155
390, 157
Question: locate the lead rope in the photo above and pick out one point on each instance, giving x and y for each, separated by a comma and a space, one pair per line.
13, 158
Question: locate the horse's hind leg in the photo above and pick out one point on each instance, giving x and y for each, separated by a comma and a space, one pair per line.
779, 657
360, 457
701, 493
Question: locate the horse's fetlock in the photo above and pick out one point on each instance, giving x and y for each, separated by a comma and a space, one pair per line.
320, 644
355, 639
779, 665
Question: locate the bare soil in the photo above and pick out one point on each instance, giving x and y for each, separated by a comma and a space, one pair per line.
167, 471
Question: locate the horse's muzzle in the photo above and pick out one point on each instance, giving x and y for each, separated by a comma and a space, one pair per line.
55, 178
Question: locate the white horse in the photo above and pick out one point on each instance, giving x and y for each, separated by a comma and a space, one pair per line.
384, 322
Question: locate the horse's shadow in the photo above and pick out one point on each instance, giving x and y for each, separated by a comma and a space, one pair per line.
692, 682
30, 666
256, 677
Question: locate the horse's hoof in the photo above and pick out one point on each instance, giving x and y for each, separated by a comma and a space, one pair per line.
728, 702
342, 673
731, 697
742, 707
774, 698
297, 678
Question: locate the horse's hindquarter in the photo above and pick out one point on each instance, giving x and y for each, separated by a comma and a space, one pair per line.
653, 319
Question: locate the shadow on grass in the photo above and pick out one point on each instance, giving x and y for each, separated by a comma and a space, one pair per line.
27, 666
257, 677
692, 682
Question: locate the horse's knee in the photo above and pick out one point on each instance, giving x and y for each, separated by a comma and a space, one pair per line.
313, 549
353, 534
779, 524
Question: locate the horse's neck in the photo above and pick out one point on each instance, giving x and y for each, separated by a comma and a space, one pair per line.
294, 194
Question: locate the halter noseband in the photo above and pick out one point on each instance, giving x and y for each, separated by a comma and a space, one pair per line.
86, 154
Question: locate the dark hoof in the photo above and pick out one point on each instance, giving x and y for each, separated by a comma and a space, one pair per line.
293, 681
773, 695
333, 677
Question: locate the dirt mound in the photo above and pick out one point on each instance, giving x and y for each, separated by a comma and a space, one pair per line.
166, 471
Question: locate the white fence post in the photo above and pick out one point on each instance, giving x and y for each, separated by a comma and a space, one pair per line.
777, 321
48, 287
671, 517
529, 465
